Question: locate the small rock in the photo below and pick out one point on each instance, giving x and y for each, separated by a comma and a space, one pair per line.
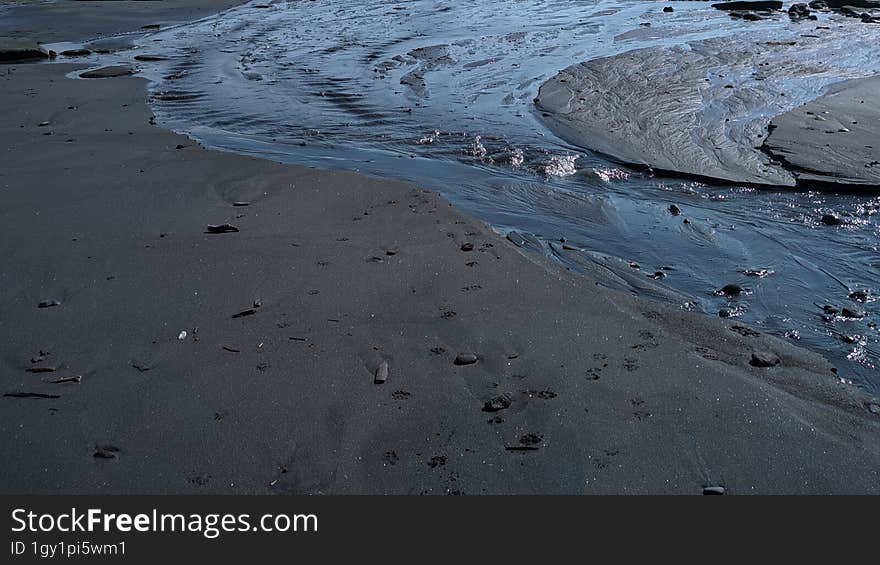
106, 452
467, 246
76, 53
240, 204
108, 72
531, 439
657, 275
49, 303
859, 295
714, 490
221, 228
516, 238
764, 359
874, 408
381, 373
496, 404
181, 336
730, 290
853, 313
243, 313
831, 220
798, 12
668, 9
674, 210
465, 359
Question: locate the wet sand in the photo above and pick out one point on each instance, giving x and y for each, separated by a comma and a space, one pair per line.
246, 362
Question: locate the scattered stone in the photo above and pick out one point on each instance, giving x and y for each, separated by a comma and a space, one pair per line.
243, 313
30, 395
714, 490
221, 228
109, 72
465, 359
758, 5
231, 349
43, 124
467, 246
831, 220
730, 290
853, 313
13, 50
657, 275
240, 204
496, 404
381, 373
49, 303
75, 379
41, 369
106, 452
181, 336
76, 53
860, 295
148, 58
764, 359
668, 9
674, 210
437, 461
531, 439
516, 238
798, 12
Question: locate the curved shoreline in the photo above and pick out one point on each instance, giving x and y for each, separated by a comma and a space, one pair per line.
343, 273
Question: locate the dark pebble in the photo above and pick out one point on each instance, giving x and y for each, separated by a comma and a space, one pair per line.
764, 359
831, 220
730, 290
467, 246
674, 210
465, 359
381, 373
48, 303
221, 228
716, 490
496, 404
854, 313
243, 313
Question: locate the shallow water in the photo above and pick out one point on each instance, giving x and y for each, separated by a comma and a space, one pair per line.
440, 93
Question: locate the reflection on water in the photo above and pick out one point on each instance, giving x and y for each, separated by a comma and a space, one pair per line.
440, 93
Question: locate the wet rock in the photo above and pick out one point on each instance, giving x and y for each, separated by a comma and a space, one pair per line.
109, 72
831, 220
818, 5
860, 295
516, 238
106, 452
76, 53
381, 373
756, 5
531, 439
852, 312
674, 210
764, 359
730, 290
15, 50
221, 228
30, 395
149, 58
657, 275
668, 9
798, 12
496, 404
467, 246
713, 490
75, 379
465, 359
49, 303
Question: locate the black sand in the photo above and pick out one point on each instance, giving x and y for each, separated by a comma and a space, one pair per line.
576, 389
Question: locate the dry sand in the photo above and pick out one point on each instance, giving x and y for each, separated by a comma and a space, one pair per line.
602, 392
